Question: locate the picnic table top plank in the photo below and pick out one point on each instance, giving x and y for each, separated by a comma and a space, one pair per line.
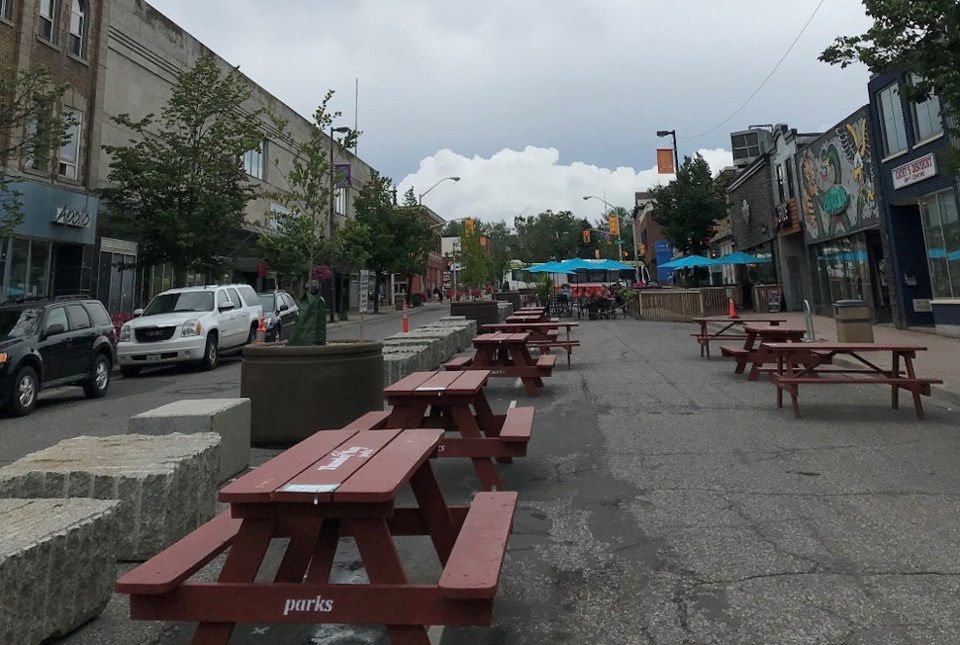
260, 483
409, 382
845, 347
540, 324
738, 319
777, 329
396, 462
463, 382
501, 337
331, 471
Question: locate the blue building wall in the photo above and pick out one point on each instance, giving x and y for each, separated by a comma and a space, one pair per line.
900, 215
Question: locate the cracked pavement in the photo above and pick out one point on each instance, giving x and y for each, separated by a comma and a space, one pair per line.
666, 500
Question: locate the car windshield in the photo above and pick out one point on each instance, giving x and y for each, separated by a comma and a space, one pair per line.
266, 301
17, 323
167, 303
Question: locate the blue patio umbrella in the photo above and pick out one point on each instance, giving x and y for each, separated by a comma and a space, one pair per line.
549, 267
740, 258
573, 264
613, 265
688, 262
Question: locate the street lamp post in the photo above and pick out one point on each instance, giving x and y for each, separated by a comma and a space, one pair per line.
420, 199
341, 130
676, 158
613, 209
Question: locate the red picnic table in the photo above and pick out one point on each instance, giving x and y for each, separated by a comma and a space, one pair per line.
455, 402
507, 355
796, 367
754, 351
543, 335
334, 484
726, 332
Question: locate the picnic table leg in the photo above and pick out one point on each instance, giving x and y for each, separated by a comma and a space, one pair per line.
779, 385
406, 416
304, 535
243, 561
488, 422
467, 425
794, 390
380, 559
895, 391
915, 387
324, 551
435, 512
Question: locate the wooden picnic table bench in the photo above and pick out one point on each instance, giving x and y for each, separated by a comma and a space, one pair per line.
334, 484
455, 402
543, 335
753, 352
507, 355
796, 367
705, 337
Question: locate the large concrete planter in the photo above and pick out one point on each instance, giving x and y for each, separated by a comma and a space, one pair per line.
295, 391
485, 312
513, 297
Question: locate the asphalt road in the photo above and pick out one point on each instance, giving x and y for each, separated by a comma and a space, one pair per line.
667, 500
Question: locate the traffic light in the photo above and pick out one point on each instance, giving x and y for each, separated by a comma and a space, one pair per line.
625, 255
613, 223
468, 225
642, 249
586, 236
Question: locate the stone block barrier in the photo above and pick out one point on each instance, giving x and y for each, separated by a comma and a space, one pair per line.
433, 348
447, 339
57, 565
398, 364
229, 418
166, 484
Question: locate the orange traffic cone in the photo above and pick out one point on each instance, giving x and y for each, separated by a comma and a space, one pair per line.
406, 323
261, 333
732, 308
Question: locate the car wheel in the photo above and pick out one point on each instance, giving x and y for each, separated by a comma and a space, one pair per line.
211, 354
252, 337
129, 372
99, 380
279, 332
23, 395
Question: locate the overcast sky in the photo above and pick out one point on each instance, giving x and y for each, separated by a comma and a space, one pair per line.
536, 103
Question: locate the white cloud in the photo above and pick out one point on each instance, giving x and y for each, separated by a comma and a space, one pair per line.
530, 181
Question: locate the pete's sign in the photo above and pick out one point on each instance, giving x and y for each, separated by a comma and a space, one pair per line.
75, 217
914, 171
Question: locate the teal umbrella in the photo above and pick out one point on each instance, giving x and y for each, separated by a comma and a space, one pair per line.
688, 262
740, 258
549, 267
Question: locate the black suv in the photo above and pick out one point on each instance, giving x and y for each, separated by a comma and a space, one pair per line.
49, 343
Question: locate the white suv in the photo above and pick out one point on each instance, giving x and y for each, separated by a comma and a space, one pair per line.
190, 325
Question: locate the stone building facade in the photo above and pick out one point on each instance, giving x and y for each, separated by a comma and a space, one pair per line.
51, 251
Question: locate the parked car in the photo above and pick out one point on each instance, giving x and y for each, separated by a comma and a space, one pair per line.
53, 342
280, 314
189, 325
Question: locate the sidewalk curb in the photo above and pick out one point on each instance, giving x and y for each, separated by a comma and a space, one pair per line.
354, 320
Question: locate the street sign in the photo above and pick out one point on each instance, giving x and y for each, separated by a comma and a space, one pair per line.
364, 286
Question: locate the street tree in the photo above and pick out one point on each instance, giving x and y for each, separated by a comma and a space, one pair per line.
548, 235
179, 181
415, 238
300, 240
688, 208
917, 36
31, 128
502, 247
475, 260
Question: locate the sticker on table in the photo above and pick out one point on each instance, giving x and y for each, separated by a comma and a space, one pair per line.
310, 488
340, 457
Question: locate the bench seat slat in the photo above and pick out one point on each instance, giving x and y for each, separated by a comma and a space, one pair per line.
473, 569
166, 570
518, 424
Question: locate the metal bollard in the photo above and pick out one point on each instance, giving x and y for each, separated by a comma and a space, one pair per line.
808, 315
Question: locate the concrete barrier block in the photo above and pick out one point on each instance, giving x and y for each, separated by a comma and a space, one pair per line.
166, 484
463, 331
57, 565
229, 418
433, 345
445, 336
398, 364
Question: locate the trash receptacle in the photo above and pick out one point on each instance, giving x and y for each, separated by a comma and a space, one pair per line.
853, 321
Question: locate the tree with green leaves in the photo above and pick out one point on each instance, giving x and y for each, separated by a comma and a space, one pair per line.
548, 235
374, 209
301, 238
502, 245
917, 36
31, 127
415, 236
687, 209
180, 182
475, 260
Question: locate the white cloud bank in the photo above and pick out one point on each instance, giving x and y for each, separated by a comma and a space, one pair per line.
530, 181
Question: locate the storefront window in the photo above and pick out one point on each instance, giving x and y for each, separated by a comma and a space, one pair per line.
39, 284
844, 269
941, 232
16, 285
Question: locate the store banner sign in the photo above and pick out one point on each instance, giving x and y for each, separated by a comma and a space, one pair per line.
914, 171
55, 214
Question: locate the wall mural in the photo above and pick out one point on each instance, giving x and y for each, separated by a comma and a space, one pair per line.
837, 181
